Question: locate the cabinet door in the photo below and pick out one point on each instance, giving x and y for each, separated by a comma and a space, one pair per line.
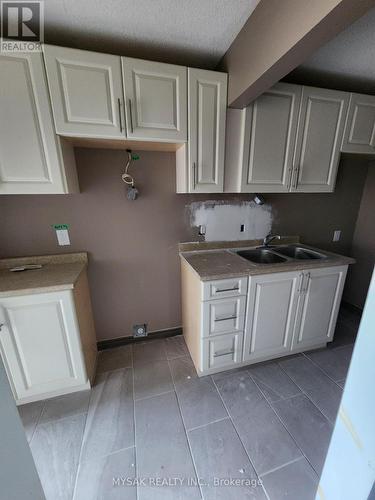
271, 310
155, 100
359, 135
39, 342
30, 155
269, 140
320, 131
320, 299
207, 117
86, 92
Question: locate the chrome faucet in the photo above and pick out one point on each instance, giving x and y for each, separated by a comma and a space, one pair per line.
270, 237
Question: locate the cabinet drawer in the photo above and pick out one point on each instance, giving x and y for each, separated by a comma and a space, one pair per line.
223, 316
222, 351
224, 288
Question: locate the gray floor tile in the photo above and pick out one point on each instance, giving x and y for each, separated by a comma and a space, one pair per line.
55, 448
162, 448
152, 379
200, 402
266, 440
110, 419
296, 481
324, 393
273, 382
97, 479
65, 406
310, 429
30, 414
334, 362
152, 350
176, 347
114, 359
218, 453
182, 370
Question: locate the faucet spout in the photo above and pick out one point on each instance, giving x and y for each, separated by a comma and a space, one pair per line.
270, 237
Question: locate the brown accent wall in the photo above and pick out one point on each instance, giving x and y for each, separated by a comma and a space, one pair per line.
134, 267
363, 247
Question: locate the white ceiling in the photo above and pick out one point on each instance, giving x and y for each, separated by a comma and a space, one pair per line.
346, 63
192, 32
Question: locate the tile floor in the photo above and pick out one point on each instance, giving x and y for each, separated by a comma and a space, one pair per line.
266, 427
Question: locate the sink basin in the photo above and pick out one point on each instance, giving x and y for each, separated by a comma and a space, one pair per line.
261, 256
299, 253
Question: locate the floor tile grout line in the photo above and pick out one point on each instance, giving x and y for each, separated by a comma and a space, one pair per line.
304, 393
282, 422
239, 437
61, 419
186, 434
255, 379
80, 449
282, 466
321, 369
285, 465
37, 421
207, 424
154, 395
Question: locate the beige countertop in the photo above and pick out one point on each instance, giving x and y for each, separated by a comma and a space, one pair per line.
58, 272
224, 263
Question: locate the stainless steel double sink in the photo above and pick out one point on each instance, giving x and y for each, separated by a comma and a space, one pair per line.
279, 254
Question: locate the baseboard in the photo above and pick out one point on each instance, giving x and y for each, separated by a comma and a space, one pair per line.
119, 341
352, 307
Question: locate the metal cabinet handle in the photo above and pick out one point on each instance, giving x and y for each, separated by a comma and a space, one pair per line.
296, 177
308, 275
120, 114
131, 115
225, 318
225, 353
220, 290
299, 289
195, 174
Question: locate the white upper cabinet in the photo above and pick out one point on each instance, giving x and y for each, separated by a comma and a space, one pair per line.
155, 100
319, 136
207, 116
287, 140
31, 156
359, 135
200, 162
269, 133
86, 92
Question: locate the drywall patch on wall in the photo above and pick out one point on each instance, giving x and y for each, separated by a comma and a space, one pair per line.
223, 219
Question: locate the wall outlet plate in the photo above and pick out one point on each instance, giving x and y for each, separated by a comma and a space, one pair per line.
337, 235
140, 330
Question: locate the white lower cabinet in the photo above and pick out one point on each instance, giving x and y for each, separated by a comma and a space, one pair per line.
271, 311
290, 312
240, 321
319, 303
222, 351
41, 345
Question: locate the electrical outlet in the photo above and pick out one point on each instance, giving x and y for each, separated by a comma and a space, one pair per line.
242, 228
140, 330
202, 230
336, 235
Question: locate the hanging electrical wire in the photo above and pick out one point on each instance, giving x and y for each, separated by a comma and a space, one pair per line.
132, 193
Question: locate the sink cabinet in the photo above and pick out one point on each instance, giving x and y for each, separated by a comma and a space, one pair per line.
239, 321
48, 343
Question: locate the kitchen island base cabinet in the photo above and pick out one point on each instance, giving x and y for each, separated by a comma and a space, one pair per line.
238, 321
47, 342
